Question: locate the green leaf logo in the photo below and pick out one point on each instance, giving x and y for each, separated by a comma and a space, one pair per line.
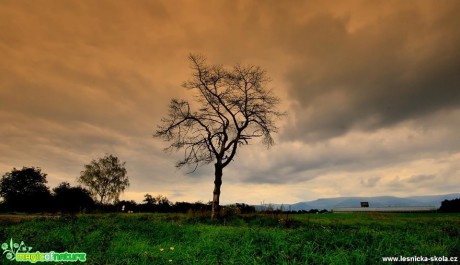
12, 249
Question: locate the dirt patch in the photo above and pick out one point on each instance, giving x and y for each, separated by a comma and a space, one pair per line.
22, 217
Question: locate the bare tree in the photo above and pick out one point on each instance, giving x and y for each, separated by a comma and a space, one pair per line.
234, 106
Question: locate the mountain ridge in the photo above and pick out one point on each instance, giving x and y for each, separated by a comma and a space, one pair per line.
374, 201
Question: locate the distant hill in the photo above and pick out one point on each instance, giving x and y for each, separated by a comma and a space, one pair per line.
379, 201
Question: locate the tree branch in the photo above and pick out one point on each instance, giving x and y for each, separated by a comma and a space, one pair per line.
235, 107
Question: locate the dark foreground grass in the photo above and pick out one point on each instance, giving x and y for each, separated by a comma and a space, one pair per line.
253, 239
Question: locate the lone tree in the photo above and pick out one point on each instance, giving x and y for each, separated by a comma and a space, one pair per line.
233, 106
105, 178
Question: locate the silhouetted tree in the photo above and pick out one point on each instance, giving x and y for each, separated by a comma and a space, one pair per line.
148, 199
25, 190
72, 199
105, 178
149, 204
129, 206
450, 206
163, 203
245, 208
162, 200
234, 106
184, 207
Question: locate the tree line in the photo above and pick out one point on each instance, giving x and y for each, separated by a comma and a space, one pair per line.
102, 181
25, 190
450, 206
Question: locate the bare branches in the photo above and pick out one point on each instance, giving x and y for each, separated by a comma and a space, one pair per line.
235, 107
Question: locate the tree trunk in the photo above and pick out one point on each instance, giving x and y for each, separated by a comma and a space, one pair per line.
216, 192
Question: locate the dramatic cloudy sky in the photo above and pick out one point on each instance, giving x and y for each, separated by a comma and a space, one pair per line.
371, 88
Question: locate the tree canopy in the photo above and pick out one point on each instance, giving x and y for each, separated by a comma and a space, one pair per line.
106, 178
72, 199
25, 189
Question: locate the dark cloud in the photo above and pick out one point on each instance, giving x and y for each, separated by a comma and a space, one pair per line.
400, 67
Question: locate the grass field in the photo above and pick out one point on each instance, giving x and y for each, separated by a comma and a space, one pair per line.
243, 239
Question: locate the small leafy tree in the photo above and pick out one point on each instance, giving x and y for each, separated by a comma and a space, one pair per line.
149, 203
72, 199
162, 200
233, 107
163, 204
148, 199
106, 178
25, 190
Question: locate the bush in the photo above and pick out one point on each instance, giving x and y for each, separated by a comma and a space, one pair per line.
450, 206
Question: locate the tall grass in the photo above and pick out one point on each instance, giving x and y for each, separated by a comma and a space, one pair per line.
241, 239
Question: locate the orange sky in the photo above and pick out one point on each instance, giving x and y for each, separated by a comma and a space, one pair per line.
371, 89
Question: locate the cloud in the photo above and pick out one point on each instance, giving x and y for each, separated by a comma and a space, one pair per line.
400, 67
356, 151
420, 178
370, 182
371, 92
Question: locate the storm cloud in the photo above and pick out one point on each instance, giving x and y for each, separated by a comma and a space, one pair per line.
401, 66
371, 90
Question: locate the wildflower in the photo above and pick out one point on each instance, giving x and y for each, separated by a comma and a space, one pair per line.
170, 260
162, 249
171, 248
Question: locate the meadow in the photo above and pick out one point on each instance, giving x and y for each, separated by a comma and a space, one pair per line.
349, 238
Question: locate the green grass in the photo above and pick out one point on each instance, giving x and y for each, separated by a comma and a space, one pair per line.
248, 239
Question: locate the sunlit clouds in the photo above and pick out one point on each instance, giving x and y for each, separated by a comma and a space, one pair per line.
371, 89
